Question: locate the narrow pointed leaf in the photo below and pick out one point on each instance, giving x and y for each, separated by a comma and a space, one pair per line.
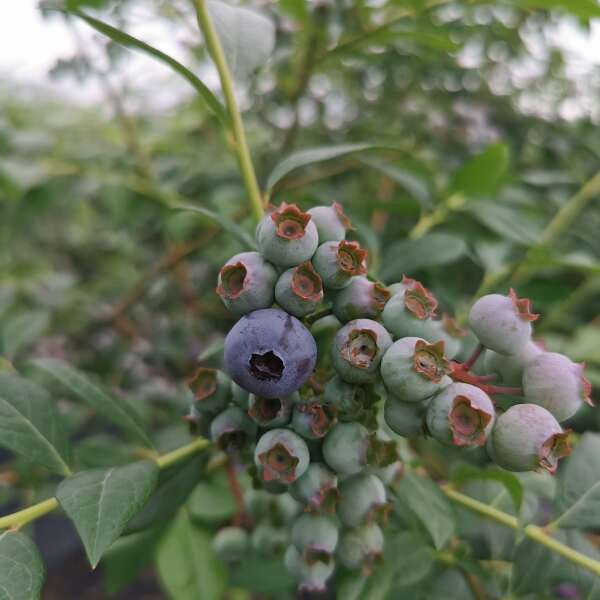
101, 502
21, 568
29, 424
77, 383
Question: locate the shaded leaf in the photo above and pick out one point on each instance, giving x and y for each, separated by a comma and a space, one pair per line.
186, 564
533, 565
407, 256
101, 502
481, 175
212, 501
227, 224
77, 383
21, 568
29, 424
247, 37
23, 329
263, 575
578, 497
423, 497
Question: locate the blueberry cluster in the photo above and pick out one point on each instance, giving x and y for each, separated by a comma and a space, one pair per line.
320, 436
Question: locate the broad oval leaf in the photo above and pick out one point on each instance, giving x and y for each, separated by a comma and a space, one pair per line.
316, 155
578, 497
227, 224
23, 329
533, 565
481, 175
120, 37
101, 502
423, 497
247, 37
21, 568
78, 384
186, 563
407, 256
29, 424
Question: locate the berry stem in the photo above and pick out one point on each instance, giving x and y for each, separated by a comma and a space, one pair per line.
241, 146
314, 317
466, 366
501, 389
236, 491
20, 518
531, 531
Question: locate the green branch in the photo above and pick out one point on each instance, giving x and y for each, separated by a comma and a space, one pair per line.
531, 531
241, 146
20, 518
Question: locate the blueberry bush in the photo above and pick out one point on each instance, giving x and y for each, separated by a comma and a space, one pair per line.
344, 347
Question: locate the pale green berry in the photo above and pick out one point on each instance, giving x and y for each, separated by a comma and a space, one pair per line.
317, 488
299, 290
268, 540
281, 456
232, 429
338, 262
315, 535
351, 402
311, 576
230, 544
312, 419
331, 222
360, 299
239, 396
361, 547
405, 418
271, 412
362, 498
211, 389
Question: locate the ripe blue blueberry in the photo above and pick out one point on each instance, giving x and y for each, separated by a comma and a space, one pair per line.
357, 350
246, 283
526, 438
461, 414
331, 222
287, 236
299, 290
502, 323
270, 353
555, 382
360, 299
338, 262
413, 370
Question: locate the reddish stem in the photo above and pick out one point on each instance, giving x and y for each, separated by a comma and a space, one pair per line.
460, 373
466, 366
241, 517
501, 389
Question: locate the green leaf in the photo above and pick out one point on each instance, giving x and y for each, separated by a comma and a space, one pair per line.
481, 175
423, 497
584, 9
316, 155
186, 564
578, 497
533, 565
124, 39
265, 576
212, 501
247, 37
30, 426
21, 568
466, 472
77, 383
227, 224
23, 329
407, 256
101, 502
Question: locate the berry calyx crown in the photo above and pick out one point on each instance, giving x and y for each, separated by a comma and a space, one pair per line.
290, 221
418, 299
429, 360
523, 306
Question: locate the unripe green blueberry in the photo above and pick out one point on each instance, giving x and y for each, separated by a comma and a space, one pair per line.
357, 350
317, 488
351, 402
361, 547
391, 474
338, 262
232, 429
257, 503
527, 437
315, 536
313, 419
509, 367
413, 370
362, 499
211, 389
287, 508
272, 412
311, 576
230, 544
198, 422
331, 222
246, 283
299, 290
461, 414
405, 418
268, 540
447, 330
410, 311
502, 323
360, 299
287, 236
239, 396
281, 456
555, 382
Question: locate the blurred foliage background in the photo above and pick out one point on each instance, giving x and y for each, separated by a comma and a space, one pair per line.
452, 132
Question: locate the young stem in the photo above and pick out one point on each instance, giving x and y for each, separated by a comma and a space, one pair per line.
17, 519
241, 146
314, 317
237, 493
531, 531
473, 358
